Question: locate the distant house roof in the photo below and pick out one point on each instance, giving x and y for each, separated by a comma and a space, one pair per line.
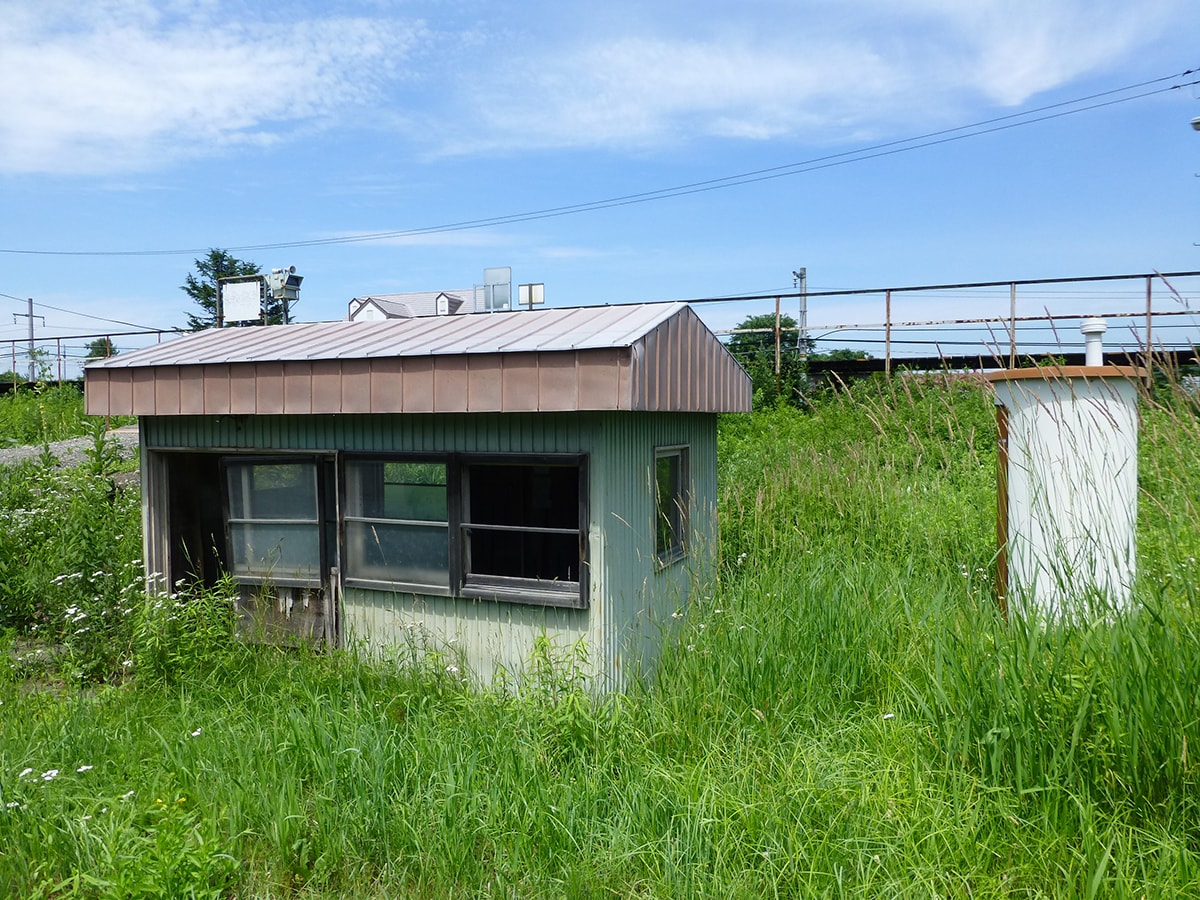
405, 306
651, 357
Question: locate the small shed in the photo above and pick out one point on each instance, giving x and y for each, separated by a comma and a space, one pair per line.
474, 482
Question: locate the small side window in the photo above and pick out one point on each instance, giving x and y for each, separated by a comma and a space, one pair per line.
671, 503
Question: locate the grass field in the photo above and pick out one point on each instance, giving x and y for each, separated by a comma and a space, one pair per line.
843, 713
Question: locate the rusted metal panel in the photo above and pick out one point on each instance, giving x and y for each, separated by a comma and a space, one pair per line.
418, 385
120, 391
95, 395
599, 376
519, 382
297, 388
191, 391
166, 392
485, 391
387, 386
269, 386
450, 384
326, 386
356, 386
143, 392
557, 385
216, 390
243, 393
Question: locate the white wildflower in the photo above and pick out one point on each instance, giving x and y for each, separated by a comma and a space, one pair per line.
85, 768
49, 774
196, 733
25, 771
887, 716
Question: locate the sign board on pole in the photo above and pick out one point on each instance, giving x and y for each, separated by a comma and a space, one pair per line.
242, 300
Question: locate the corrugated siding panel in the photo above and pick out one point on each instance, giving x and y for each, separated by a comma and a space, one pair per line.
641, 597
631, 600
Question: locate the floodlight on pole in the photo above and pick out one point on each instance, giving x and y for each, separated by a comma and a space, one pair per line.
1196, 123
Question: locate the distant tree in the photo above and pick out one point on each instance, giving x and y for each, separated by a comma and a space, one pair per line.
841, 353
101, 348
201, 287
754, 348
763, 341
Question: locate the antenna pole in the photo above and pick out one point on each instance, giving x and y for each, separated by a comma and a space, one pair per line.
32, 356
801, 278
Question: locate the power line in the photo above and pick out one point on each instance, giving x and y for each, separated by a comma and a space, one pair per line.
874, 151
72, 312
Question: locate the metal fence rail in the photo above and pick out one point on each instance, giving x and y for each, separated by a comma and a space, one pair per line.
1005, 336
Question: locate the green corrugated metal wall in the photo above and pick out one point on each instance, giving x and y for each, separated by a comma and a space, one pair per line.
632, 600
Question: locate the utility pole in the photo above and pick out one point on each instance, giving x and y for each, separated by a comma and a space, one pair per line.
801, 279
32, 358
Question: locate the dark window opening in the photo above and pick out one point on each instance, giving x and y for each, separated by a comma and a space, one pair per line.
196, 528
523, 522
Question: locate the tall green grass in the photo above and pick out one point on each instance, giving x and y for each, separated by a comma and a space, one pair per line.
842, 713
39, 415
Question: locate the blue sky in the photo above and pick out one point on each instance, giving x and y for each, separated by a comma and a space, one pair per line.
129, 126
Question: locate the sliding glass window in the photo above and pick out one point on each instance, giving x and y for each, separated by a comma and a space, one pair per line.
274, 520
397, 525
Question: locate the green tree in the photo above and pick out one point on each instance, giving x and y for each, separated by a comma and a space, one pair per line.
842, 353
754, 348
201, 287
101, 348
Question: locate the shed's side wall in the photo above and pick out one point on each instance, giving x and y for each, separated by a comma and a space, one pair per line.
644, 599
632, 599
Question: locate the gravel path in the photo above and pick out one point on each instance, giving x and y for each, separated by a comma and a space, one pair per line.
73, 451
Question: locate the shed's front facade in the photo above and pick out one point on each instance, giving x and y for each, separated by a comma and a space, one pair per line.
472, 483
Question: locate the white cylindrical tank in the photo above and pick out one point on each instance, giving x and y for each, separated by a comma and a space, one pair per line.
1068, 487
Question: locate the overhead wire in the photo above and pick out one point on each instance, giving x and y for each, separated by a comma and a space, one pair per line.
874, 151
72, 312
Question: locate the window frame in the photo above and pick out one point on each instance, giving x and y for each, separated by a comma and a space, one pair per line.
541, 592
460, 581
680, 523
234, 461
381, 584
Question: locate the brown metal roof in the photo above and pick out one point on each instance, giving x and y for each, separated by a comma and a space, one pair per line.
652, 357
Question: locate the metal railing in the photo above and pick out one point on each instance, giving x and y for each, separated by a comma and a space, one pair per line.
1004, 335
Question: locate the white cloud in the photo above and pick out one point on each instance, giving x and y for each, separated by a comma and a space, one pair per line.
768, 69
126, 85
